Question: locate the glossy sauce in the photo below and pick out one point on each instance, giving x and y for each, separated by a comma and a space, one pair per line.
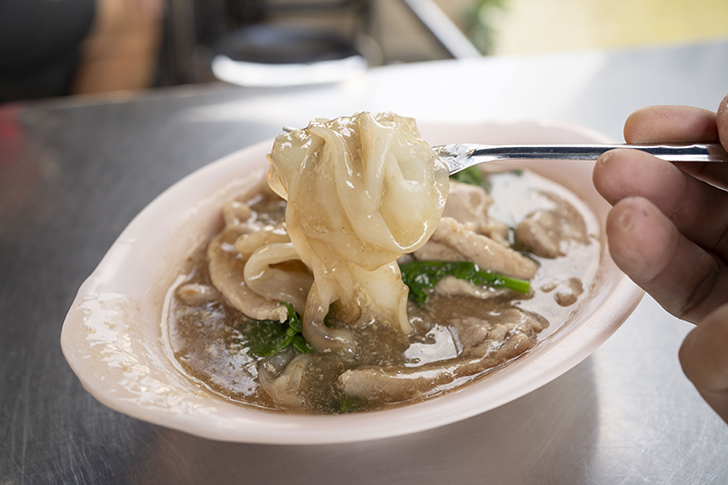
209, 340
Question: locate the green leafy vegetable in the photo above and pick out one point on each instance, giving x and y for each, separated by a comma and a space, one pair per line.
262, 337
268, 337
351, 405
299, 343
421, 276
473, 176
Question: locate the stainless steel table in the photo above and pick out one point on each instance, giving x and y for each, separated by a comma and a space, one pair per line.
73, 173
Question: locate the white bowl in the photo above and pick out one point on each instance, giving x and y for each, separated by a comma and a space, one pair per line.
113, 338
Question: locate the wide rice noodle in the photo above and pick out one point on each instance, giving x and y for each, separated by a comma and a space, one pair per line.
361, 191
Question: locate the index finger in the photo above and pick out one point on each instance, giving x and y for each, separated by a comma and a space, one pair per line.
683, 124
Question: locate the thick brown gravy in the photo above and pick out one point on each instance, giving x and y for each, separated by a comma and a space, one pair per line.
458, 336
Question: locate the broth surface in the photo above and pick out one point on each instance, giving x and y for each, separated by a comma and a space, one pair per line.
459, 335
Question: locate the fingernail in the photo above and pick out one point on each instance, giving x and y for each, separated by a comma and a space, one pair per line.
604, 158
625, 220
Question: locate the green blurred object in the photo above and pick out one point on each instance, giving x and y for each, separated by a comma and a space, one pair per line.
481, 18
472, 176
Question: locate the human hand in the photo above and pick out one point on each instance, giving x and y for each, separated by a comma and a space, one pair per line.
668, 231
148, 9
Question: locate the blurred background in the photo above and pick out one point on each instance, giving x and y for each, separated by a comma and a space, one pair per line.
60, 47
